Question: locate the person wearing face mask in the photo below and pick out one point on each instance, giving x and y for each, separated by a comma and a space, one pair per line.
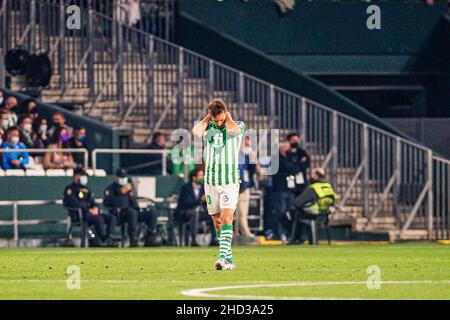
59, 122
9, 108
192, 205
39, 135
301, 159
78, 141
14, 160
26, 130
4, 122
58, 159
77, 195
120, 196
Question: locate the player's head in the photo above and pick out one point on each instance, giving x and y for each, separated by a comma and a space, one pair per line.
121, 176
317, 174
218, 111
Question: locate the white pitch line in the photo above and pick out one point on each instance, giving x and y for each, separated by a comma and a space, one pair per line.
202, 292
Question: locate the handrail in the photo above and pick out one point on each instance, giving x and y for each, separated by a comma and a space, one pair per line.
164, 154
66, 150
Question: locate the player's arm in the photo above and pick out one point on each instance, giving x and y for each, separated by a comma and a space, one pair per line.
200, 128
231, 126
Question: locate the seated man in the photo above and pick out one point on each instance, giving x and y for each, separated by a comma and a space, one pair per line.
192, 204
78, 196
14, 160
120, 195
315, 201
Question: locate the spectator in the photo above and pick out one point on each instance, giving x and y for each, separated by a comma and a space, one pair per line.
78, 196
78, 141
14, 160
58, 159
4, 124
2, 99
10, 107
39, 135
283, 188
192, 205
154, 161
29, 108
120, 195
59, 121
302, 160
248, 170
26, 130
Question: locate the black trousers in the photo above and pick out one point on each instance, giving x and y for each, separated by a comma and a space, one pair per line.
194, 217
132, 217
103, 224
283, 201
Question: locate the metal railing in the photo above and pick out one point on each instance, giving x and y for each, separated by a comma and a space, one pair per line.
164, 154
44, 151
137, 75
16, 222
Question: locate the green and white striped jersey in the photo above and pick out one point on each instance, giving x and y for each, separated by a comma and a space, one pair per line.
221, 155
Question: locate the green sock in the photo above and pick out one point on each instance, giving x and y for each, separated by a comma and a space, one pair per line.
218, 235
226, 237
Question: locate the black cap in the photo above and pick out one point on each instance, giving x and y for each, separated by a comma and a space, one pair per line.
79, 171
121, 173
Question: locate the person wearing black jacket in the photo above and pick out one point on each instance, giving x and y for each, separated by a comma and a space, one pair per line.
301, 158
284, 188
78, 196
192, 203
120, 195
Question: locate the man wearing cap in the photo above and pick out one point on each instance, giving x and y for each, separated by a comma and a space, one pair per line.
120, 195
78, 196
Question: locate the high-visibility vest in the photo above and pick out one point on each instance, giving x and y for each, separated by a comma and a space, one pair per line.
325, 198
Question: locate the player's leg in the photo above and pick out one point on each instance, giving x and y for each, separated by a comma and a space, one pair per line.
226, 235
217, 224
229, 195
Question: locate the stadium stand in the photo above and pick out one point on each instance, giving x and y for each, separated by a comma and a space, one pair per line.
140, 83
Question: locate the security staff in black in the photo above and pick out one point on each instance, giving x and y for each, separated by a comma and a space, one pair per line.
315, 201
120, 200
78, 196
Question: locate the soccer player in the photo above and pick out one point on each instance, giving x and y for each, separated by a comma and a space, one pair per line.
222, 137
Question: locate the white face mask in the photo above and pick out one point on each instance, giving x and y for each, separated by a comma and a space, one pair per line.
83, 180
123, 181
15, 140
5, 124
43, 128
28, 127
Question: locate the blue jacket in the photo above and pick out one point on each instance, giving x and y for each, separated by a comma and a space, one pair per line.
8, 157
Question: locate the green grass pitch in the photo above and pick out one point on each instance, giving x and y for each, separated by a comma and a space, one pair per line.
408, 271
